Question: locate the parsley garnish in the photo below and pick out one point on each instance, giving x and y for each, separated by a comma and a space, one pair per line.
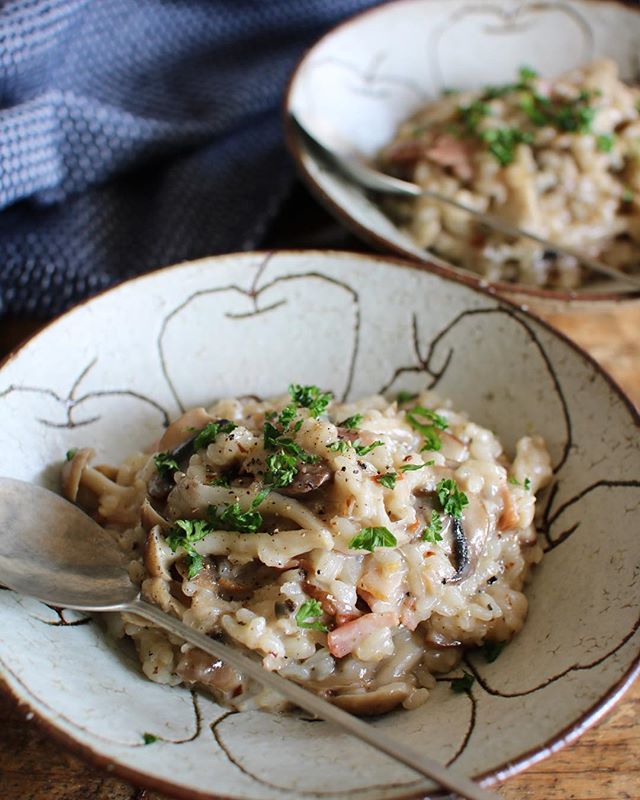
405, 397
287, 415
310, 397
370, 538
281, 469
452, 499
491, 650
433, 531
527, 483
71, 454
414, 467
388, 479
527, 74
231, 517
428, 431
605, 142
363, 450
464, 684
165, 464
502, 143
210, 433
339, 446
149, 738
185, 533
310, 610
351, 422
515, 482
220, 480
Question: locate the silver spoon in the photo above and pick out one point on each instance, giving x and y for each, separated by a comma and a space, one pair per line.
51, 550
343, 155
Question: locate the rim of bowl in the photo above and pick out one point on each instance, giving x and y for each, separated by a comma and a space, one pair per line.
296, 149
523, 761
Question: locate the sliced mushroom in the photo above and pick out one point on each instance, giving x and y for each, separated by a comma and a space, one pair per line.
331, 605
149, 516
157, 555
72, 472
182, 429
370, 704
195, 666
469, 539
308, 478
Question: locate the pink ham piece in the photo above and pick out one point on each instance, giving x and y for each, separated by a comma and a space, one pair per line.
448, 151
344, 639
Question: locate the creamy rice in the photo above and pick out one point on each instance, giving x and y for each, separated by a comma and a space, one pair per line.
558, 158
358, 548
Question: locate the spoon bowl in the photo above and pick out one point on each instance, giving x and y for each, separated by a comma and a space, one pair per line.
51, 550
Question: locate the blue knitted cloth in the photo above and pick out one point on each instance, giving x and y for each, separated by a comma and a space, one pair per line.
138, 133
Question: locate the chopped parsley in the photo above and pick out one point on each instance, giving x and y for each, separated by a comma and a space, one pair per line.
310, 397
281, 469
231, 517
405, 397
307, 616
491, 650
185, 533
287, 415
339, 446
515, 482
463, 684
416, 418
526, 74
149, 738
452, 499
282, 465
210, 433
351, 422
433, 531
414, 467
502, 143
605, 142
363, 450
388, 480
220, 480
165, 464
71, 454
370, 538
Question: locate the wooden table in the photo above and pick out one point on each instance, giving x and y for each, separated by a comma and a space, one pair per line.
602, 765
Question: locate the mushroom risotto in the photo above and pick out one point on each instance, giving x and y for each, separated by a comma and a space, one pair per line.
358, 548
559, 158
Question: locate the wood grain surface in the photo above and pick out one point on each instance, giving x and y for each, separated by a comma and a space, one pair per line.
602, 765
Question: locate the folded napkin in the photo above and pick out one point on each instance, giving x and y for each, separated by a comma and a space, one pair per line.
139, 133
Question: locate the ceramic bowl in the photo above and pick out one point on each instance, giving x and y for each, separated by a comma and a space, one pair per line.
370, 73
112, 372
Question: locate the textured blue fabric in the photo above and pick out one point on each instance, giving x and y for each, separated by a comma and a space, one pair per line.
137, 133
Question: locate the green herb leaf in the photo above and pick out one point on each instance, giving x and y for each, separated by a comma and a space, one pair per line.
71, 454
464, 684
220, 480
370, 538
310, 397
502, 143
527, 483
405, 397
339, 446
491, 650
605, 142
429, 431
527, 74
414, 467
165, 464
231, 517
513, 480
149, 738
388, 479
351, 422
433, 531
452, 499
363, 450
210, 433
281, 469
310, 610
185, 533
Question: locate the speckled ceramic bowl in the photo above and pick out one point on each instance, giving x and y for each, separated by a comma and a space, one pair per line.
370, 73
114, 370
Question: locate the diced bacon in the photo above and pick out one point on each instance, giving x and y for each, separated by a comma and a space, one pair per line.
344, 639
509, 518
449, 151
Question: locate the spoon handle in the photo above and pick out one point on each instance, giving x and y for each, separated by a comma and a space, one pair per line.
419, 762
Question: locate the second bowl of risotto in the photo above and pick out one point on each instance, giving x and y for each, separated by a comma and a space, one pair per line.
527, 112
399, 491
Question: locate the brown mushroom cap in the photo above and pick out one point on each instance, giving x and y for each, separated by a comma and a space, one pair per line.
72, 472
182, 429
370, 704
